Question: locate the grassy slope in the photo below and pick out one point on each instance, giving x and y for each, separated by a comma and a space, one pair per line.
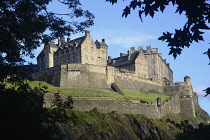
94, 92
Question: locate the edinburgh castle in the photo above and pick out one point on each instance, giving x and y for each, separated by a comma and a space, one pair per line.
85, 63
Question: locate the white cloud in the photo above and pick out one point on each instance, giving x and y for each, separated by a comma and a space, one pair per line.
201, 94
124, 38
199, 91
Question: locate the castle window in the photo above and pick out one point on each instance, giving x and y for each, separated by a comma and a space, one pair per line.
153, 67
99, 61
86, 57
153, 61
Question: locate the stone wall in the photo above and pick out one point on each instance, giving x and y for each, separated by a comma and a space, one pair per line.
130, 81
84, 76
187, 105
171, 106
50, 75
106, 104
93, 76
151, 109
181, 88
187, 97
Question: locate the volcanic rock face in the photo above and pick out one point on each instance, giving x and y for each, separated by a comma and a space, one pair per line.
114, 126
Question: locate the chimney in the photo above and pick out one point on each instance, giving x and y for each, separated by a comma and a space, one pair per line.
132, 50
109, 59
68, 39
103, 40
140, 48
87, 33
148, 48
122, 54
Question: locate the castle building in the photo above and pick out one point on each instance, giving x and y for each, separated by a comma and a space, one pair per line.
147, 64
84, 63
81, 50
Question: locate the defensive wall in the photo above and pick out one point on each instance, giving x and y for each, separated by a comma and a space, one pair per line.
188, 99
105, 104
93, 76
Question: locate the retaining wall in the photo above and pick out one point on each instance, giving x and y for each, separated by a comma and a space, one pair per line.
106, 104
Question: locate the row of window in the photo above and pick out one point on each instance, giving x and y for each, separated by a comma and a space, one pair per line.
67, 60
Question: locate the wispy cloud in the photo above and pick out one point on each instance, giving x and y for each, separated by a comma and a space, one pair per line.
124, 38
199, 91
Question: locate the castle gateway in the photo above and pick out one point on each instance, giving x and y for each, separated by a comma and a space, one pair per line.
84, 63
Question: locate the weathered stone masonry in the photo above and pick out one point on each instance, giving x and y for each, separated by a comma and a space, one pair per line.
83, 63
105, 104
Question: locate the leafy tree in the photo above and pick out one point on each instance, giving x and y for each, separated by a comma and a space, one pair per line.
23, 116
23, 24
197, 13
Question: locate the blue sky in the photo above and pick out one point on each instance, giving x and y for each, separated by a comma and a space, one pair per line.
122, 33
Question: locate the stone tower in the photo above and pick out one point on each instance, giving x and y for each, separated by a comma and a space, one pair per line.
46, 58
187, 104
187, 80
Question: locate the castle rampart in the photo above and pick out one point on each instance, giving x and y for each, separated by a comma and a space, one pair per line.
94, 76
106, 104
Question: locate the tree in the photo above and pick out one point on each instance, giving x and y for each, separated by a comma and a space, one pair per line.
23, 116
197, 13
23, 24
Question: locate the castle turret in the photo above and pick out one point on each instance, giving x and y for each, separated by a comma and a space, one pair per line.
187, 80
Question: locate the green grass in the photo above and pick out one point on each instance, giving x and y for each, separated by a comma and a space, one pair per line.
94, 92
135, 95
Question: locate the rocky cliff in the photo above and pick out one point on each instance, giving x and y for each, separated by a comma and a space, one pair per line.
115, 126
